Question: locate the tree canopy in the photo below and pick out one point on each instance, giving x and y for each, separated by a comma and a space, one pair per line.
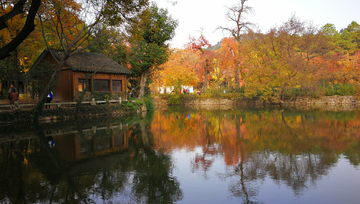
148, 49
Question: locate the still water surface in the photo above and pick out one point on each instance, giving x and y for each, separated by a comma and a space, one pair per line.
237, 156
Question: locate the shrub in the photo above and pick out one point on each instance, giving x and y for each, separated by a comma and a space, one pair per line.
176, 99
101, 96
148, 100
341, 89
129, 106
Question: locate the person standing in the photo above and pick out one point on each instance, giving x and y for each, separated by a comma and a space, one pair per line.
49, 98
14, 96
10, 90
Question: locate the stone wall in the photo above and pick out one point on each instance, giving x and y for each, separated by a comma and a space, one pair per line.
210, 101
209, 104
321, 102
325, 100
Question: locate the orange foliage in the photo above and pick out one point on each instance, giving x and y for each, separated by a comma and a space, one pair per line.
62, 20
341, 68
179, 70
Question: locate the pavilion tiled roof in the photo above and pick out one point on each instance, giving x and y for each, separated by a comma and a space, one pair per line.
88, 62
94, 62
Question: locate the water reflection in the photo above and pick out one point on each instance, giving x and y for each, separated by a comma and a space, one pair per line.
86, 162
292, 148
146, 160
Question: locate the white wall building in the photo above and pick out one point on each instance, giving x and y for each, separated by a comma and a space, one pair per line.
170, 89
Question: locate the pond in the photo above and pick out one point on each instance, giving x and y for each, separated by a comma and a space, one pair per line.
245, 155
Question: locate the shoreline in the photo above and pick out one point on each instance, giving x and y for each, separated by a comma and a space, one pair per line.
67, 113
330, 103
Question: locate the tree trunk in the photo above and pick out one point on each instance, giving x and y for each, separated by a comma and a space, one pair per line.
207, 128
16, 70
242, 158
206, 74
238, 128
237, 74
206, 81
143, 84
49, 87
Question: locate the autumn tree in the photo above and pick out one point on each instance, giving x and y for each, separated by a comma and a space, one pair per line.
14, 67
12, 9
226, 61
340, 73
282, 60
340, 69
237, 16
199, 45
73, 25
180, 68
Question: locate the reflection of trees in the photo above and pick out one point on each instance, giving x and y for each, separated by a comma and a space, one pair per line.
295, 149
294, 171
292, 148
240, 185
11, 162
38, 173
303, 164
204, 160
152, 169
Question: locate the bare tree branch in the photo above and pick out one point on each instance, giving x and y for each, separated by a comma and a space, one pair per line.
236, 14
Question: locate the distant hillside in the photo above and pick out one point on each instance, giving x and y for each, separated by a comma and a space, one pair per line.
216, 46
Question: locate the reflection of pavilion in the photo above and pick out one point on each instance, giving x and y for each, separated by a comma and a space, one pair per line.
87, 143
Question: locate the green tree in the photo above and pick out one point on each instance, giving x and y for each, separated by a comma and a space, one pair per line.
335, 37
148, 48
347, 40
354, 30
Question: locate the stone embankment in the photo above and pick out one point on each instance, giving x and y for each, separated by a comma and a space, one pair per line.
208, 104
211, 104
333, 103
324, 102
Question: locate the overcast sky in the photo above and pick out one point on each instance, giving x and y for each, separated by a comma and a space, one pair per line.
209, 14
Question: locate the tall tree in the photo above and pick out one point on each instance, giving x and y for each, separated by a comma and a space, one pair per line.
334, 36
200, 44
149, 49
227, 61
354, 29
236, 15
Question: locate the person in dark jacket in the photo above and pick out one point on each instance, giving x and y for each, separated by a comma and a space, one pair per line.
10, 90
14, 96
49, 98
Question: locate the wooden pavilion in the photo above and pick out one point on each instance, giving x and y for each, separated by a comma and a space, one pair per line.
94, 73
